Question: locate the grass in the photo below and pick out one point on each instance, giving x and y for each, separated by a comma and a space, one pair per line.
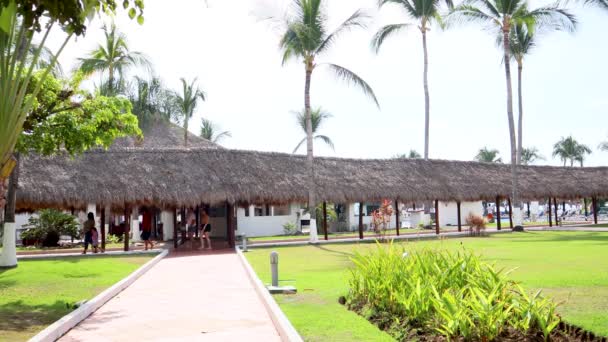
402, 231
65, 249
35, 294
568, 266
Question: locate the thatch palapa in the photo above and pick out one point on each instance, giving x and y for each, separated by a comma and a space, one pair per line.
187, 177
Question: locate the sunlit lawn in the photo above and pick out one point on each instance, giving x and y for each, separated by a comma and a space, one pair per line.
402, 231
569, 266
37, 292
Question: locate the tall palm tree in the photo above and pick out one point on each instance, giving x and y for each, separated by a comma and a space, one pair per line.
114, 57
530, 155
210, 132
186, 103
502, 15
317, 117
150, 100
603, 146
568, 149
424, 12
307, 38
485, 155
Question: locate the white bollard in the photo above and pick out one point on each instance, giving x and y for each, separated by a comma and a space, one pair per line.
274, 268
244, 248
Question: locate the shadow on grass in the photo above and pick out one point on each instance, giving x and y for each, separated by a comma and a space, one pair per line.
323, 248
18, 316
563, 236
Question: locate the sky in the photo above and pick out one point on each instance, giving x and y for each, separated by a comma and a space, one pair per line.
236, 58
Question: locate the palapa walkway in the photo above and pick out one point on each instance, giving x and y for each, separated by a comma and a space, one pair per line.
186, 296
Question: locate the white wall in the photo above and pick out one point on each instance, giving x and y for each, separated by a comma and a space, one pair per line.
166, 217
254, 226
353, 218
448, 213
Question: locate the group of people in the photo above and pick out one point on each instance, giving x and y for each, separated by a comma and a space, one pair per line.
204, 229
91, 235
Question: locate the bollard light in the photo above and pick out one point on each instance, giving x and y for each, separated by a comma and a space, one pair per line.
274, 268
244, 248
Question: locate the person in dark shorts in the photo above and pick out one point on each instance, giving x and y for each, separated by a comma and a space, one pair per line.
205, 230
146, 228
87, 229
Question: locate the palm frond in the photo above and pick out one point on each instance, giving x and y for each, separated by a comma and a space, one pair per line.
603, 146
356, 20
326, 140
470, 14
222, 135
298, 146
551, 18
350, 77
385, 32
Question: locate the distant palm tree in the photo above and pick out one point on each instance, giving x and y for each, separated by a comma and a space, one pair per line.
306, 38
114, 57
486, 155
502, 15
317, 117
186, 102
413, 154
150, 101
568, 149
424, 12
530, 155
210, 132
603, 146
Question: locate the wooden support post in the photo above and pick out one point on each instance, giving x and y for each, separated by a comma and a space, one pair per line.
437, 217
594, 204
414, 206
585, 205
397, 223
549, 207
498, 223
360, 220
510, 213
183, 223
556, 217
198, 221
230, 224
325, 220
528, 204
564, 206
127, 228
175, 242
459, 219
103, 228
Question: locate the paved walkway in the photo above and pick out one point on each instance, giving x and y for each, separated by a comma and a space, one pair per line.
183, 298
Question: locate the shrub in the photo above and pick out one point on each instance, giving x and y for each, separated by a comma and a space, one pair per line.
454, 294
111, 238
289, 228
48, 226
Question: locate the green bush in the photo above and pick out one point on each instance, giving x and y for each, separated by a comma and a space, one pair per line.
111, 238
289, 228
46, 228
438, 292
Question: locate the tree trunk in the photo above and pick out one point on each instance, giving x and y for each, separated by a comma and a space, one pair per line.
312, 198
520, 125
426, 92
185, 129
9, 251
514, 193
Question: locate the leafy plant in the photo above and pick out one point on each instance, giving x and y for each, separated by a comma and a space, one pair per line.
289, 228
476, 224
48, 226
111, 238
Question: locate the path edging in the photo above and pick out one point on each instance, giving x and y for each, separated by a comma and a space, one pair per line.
282, 324
54, 331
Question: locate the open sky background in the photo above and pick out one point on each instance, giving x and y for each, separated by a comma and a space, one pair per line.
237, 60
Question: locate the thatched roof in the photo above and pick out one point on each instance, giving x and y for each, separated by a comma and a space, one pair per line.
162, 134
176, 177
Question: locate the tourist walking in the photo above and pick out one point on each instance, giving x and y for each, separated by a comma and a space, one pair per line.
146, 228
95, 239
205, 230
191, 226
87, 229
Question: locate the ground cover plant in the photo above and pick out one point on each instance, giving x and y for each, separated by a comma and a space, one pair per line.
569, 267
431, 293
39, 292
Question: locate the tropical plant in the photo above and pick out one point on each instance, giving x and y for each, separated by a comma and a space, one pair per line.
413, 154
530, 155
502, 15
307, 38
151, 101
115, 57
289, 228
186, 103
210, 132
317, 118
46, 227
424, 12
486, 155
603, 146
568, 149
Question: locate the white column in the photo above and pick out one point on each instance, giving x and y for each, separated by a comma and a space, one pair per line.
107, 223
8, 258
272, 210
313, 231
166, 217
135, 225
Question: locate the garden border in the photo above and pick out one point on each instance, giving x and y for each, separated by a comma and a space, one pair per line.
67, 322
281, 322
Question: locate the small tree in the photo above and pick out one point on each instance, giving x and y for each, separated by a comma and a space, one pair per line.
48, 226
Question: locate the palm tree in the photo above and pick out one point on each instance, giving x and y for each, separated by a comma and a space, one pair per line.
307, 38
568, 149
210, 132
424, 12
486, 155
186, 103
503, 15
413, 154
530, 155
603, 146
317, 117
115, 58
150, 101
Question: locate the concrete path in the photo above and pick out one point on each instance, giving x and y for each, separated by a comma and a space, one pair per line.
183, 298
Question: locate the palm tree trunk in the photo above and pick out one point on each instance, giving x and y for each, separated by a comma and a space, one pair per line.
520, 129
8, 258
186, 130
514, 180
110, 80
312, 200
426, 92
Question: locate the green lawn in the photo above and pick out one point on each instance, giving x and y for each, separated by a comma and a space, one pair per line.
65, 249
569, 266
402, 231
35, 294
